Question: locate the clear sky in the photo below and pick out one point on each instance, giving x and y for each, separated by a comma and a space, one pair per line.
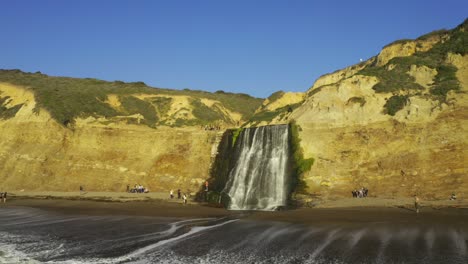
254, 47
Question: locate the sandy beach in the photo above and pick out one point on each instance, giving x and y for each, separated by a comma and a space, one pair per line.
403, 202
150, 228
346, 211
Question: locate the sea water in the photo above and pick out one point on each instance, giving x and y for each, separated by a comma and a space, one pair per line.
36, 236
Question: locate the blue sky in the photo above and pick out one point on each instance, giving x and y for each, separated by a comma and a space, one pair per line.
253, 47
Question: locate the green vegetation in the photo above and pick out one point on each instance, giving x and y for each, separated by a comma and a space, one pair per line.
204, 113
445, 81
275, 96
400, 41
270, 115
69, 98
235, 135
7, 113
395, 104
179, 122
314, 91
162, 104
438, 33
300, 164
357, 100
134, 105
393, 77
393, 80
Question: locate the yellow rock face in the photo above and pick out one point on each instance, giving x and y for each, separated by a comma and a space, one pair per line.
404, 49
288, 98
422, 149
36, 153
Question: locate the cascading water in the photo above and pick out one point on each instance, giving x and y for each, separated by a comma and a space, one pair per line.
260, 175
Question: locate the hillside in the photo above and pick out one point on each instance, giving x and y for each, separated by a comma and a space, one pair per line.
276, 109
68, 99
396, 123
58, 133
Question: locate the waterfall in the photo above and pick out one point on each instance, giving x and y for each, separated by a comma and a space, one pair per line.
259, 177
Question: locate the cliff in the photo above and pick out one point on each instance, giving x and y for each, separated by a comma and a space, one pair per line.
396, 124
58, 133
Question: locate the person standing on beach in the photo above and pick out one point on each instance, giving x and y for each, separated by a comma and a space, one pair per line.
185, 198
171, 193
416, 203
4, 196
178, 193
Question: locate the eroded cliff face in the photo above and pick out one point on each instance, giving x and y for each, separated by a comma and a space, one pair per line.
37, 153
396, 124
407, 47
419, 150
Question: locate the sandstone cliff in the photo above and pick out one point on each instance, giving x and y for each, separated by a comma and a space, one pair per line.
276, 109
109, 143
396, 124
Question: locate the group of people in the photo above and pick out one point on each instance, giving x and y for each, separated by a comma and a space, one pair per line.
179, 195
3, 196
361, 193
137, 189
212, 127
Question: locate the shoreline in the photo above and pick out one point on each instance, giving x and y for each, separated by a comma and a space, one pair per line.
123, 197
371, 211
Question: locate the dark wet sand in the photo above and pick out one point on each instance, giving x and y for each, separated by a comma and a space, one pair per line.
313, 216
141, 208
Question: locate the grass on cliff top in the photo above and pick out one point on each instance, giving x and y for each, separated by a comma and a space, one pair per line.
134, 105
270, 115
204, 113
68, 98
7, 113
395, 79
266, 115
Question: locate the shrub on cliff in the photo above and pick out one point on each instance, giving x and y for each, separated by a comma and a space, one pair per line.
395, 104
300, 164
68, 98
393, 76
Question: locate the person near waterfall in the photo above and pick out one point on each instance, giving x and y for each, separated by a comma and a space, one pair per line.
416, 203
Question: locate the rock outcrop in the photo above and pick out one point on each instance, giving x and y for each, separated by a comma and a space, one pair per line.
417, 148
102, 154
395, 124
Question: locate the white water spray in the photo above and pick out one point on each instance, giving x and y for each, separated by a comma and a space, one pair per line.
259, 179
